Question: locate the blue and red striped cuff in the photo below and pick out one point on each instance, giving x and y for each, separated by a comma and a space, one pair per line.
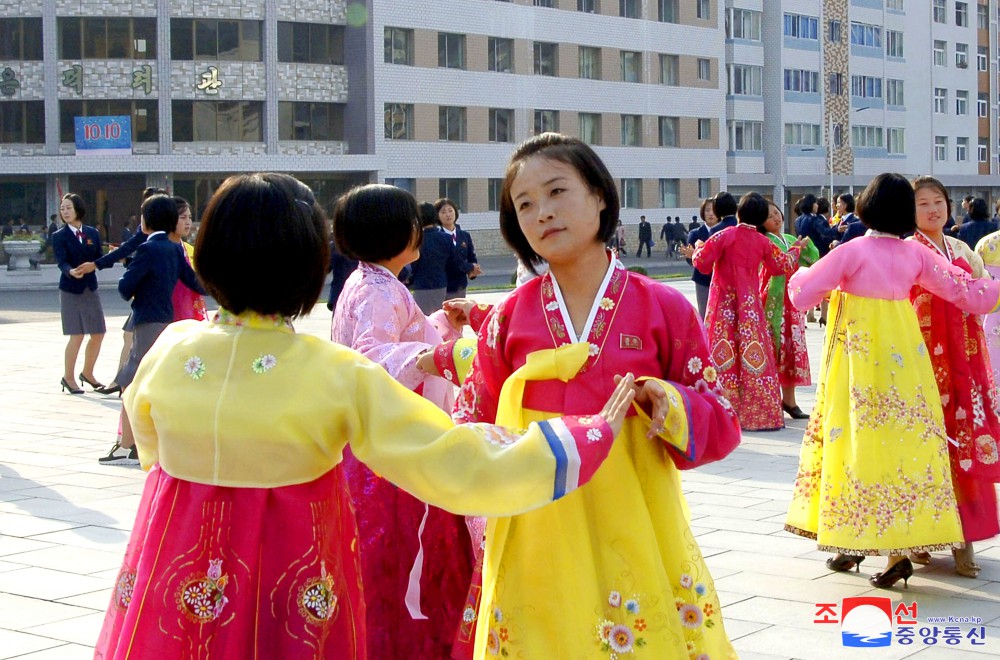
579, 444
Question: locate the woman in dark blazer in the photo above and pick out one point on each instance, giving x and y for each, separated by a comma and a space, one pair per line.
79, 304
458, 276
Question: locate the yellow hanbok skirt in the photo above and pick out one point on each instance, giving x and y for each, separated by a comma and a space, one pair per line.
610, 570
874, 474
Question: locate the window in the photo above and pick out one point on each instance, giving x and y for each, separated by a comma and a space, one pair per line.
631, 190
746, 135
704, 69
312, 43
803, 134
962, 56
983, 17
631, 130
895, 142
109, 38
211, 39
629, 8
743, 24
544, 3
588, 6
746, 80
670, 70
863, 34
590, 62
310, 121
893, 43
631, 66
451, 50
894, 92
939, 13
669, 193
494, 188
940, 100
962, 14
982, 58
983, 105
218, 121
22, 122
801, 27
501, 55
21, 39
836, 84
983, 153
866, 87
409, 185
398, 121
833, 32
545, 59
940, 147
451, 123
838, 135
704, 129
456, 190
590, 127
895, 5
703, 9
961, 102
546, 120
798, 80
704, 188
501, 125
667, 11
869, 137
961, 149
668, 128
398, 46
940, 53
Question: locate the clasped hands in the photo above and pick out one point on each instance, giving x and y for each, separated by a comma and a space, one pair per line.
83, 269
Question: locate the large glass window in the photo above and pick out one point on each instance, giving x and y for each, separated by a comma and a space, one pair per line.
590, 62
940, 51
590, 127
310, 43
667, 11
451, 50
870, 137
214, 39
398, 121
457, 190
670, 193
501, 125
962, 16
668, 129
745, 80
893, 43
631, 130
866, 87
545, 58
940, 147
451, 123
22, 122
587, 6
398, 44
144, 114
894, 92
961, 149
746, 136
962, 102
107, 38
801, 27
800, 80
501, 55
863, 34
303, 120
939, 12
631, 193
803, 134
218, 121
743, 24
629, 8
896, 140
940, 100
670, 70
962, 56
21, 39
631, 66
546, 120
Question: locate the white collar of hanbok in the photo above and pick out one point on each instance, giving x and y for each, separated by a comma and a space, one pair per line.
564, 311
946, 253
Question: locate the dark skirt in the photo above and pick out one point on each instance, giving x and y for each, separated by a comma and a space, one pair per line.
81, 313
143, 337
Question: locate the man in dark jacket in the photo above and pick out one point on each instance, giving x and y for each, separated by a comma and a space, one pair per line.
645, 237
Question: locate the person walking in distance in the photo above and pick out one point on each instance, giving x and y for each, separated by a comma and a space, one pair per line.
645, 237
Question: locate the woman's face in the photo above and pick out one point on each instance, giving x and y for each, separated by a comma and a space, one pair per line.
774, 222
447, 216
710, 218
932, 210
67, 211
184, 222
841, 207
557, 211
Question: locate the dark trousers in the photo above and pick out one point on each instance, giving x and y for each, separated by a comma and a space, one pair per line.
644, 244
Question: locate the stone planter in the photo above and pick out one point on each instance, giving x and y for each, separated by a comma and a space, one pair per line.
20, 254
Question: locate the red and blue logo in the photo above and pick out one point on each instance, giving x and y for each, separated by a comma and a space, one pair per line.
866, 622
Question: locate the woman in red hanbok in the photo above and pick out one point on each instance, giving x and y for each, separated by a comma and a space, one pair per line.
959, 356
738, 335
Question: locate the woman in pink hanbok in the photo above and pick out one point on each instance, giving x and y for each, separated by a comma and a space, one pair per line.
988, 249
416, 560
738, 334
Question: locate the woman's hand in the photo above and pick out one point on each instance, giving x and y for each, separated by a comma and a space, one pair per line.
457, 310
653, 398
687, 250
618, 403
425, 362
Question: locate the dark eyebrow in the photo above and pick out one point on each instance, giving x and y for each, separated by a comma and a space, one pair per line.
547, 183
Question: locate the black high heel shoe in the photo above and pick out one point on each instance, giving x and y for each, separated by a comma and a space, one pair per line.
109, 389
844, 562
900, 570
822, 322
67, 386
92, 383
794, 411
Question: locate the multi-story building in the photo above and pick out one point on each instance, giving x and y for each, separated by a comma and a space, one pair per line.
681, 98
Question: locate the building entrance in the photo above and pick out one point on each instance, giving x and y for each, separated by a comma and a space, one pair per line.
111, 200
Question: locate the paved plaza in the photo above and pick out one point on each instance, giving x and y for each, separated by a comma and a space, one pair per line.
65, 521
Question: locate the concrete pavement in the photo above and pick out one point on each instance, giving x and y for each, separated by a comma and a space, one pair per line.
65, 520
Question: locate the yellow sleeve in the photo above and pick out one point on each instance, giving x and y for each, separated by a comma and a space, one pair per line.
470, 469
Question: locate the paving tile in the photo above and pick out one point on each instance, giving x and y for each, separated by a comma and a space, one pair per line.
47, 584
822, 645
95, 600
20, 612
89, 536
13, 544
72, 559
64, 652
13, 644
82, 630
25, 525
785, 545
